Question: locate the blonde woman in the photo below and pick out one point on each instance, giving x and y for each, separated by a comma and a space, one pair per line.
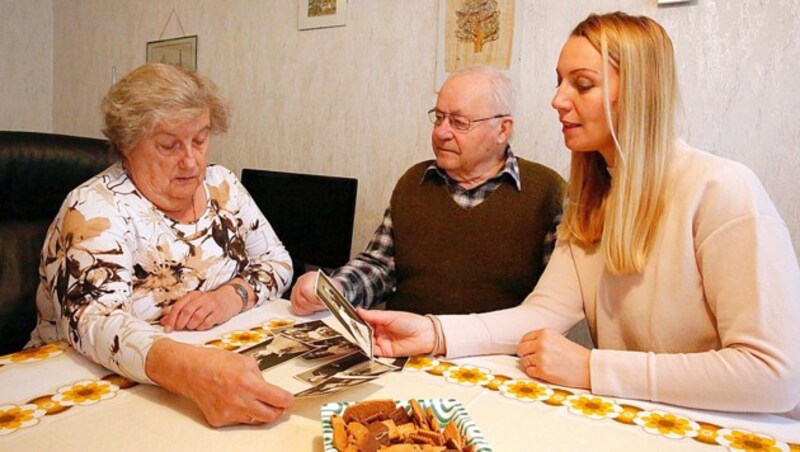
677, 258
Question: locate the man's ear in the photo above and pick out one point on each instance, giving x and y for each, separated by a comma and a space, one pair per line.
506, 127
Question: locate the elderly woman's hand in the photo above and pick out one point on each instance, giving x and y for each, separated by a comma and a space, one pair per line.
227, 387
202, 310
549, 356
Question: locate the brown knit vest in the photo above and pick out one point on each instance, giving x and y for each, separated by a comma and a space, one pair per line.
451, 260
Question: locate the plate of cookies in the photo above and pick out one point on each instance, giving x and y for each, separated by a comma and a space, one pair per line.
415, 425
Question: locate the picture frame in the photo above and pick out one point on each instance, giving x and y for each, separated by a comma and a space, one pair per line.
321, 13
178, 51
461, 44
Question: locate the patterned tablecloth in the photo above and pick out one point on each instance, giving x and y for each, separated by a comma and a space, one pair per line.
53, 398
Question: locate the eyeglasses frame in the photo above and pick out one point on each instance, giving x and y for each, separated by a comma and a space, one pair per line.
470, 122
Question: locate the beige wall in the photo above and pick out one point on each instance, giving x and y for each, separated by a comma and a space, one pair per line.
26, 65
351, 101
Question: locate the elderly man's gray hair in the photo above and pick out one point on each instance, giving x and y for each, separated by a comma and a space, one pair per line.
502, 91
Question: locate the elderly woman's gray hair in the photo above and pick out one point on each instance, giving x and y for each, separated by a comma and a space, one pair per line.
156, 93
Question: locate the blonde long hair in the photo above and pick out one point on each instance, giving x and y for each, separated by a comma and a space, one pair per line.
622, 212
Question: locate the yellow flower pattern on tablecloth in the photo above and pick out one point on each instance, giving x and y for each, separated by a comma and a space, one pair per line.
273, 324
592, 406
216, 343
588, 405
707, 433
119, 381
421, 363
440, 368
244, 338
670, 425
49, 405
32, 355
495, 383
525, 390
85, 392
468, 375
742, 440
15, 417
628, 414
559, 397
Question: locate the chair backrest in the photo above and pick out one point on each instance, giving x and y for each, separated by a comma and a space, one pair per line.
313, 215
37, 170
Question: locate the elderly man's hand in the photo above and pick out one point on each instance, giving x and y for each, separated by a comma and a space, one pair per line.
304, 297
202, 310
549, 356
227, 387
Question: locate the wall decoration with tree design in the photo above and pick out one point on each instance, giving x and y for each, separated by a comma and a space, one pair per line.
476, 32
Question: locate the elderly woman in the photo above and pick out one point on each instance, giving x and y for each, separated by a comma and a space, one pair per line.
163, 237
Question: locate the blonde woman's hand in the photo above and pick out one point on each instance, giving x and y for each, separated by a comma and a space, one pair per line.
400, 333
549, 356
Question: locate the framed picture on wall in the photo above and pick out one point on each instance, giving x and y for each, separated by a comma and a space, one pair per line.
178, 51
321, 13
478, 32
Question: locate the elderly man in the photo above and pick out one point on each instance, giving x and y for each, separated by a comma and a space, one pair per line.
470, 231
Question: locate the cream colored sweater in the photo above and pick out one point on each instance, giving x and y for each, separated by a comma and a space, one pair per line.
712, 322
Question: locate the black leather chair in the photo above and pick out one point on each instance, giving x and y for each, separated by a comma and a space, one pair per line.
312, 215
37, 170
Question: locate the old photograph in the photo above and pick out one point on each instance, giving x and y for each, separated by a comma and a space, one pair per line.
276, 350
331, 348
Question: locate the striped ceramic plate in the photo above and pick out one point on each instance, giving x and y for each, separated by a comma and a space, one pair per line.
446, 410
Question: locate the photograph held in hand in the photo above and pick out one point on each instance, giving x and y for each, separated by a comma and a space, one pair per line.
359, 331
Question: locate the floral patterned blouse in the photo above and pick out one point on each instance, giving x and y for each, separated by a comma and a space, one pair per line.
112, 264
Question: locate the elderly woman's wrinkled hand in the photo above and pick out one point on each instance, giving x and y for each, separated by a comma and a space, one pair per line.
228, 387
202, 310
549, 356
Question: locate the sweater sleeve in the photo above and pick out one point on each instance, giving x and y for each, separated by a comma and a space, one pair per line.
371, 276
268, 267
555, 303
752, 284
87, 263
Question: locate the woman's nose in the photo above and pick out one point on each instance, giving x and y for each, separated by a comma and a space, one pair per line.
560, 101
188, 157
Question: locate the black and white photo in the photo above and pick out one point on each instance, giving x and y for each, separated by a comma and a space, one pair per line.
276, 350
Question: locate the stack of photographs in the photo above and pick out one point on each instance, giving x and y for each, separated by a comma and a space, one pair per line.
320, 360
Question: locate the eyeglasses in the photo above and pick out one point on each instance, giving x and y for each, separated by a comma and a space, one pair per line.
457, 122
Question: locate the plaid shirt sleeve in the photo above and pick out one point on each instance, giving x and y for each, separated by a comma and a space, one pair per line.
369, 277
549, 243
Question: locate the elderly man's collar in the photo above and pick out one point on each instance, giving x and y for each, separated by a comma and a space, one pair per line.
510, 172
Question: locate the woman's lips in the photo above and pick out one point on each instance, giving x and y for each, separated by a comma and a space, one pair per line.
566, 126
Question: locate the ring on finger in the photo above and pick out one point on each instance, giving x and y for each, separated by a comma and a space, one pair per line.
527, 361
